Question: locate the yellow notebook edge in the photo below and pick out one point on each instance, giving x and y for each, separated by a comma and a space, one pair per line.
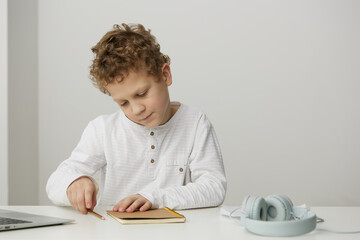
173, 212
166, 208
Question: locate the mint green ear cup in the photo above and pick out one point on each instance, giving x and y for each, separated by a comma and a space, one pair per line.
254, 207
279, 208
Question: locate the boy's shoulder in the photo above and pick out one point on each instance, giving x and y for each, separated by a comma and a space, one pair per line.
191, 110
194, 114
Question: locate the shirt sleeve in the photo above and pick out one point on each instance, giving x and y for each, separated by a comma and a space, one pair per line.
207, 186
86, 159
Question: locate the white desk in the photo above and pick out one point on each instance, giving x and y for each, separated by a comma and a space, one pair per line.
201, 224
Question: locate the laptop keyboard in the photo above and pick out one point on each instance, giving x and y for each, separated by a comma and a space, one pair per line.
6, 221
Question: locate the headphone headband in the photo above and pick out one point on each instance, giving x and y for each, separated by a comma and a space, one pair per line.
305, 224
276, 216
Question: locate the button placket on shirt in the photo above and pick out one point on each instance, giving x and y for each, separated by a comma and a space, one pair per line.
153, 150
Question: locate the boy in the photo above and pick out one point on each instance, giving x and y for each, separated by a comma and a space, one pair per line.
153, 153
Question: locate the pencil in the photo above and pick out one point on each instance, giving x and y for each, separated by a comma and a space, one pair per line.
96, 214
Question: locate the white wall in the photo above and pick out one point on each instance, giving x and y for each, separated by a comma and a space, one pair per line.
3, 104
278, 79
23, 169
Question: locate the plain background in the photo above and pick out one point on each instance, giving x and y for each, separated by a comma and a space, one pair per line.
280, 81
3, 104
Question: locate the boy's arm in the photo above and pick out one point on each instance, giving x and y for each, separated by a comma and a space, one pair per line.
85, 160
208, 182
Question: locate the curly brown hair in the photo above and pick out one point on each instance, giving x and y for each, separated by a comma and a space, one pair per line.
125, 48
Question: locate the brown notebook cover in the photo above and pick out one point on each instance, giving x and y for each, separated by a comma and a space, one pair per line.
161, 215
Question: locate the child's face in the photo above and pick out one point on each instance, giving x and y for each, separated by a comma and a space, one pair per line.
143, 98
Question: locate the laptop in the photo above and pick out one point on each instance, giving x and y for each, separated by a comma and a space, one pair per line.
10, 220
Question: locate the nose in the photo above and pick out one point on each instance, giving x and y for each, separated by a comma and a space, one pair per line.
138, 108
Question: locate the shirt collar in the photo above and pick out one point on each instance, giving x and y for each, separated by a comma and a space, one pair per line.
143, 129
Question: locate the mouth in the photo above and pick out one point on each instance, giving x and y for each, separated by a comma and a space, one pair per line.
144, 119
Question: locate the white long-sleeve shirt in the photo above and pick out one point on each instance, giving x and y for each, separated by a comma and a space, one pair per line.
178, 164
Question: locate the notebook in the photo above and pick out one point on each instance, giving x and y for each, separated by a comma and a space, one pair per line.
10, 220
161, 215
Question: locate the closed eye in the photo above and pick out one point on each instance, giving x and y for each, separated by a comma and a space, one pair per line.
142, 94
123, 104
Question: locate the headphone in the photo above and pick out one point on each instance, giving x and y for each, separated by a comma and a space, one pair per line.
276, 216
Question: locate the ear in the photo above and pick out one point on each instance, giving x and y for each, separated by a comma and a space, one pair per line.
166, 74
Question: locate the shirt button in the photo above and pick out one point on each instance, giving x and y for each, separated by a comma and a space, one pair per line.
152, 161
152, 147
181, 169
152, 134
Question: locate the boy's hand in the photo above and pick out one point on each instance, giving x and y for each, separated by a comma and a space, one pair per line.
82, 194
133, 202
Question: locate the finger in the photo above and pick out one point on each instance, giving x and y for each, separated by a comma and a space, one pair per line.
70, 196
73, 200
136, 204
89, 192
80, 200
146, 206
124, 204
